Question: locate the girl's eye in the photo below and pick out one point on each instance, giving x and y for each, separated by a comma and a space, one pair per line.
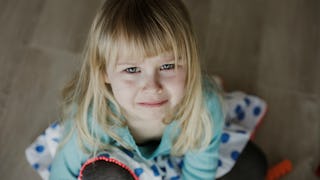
167, 67
132, 70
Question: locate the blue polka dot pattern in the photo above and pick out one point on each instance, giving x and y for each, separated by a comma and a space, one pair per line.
155, 170
180, 164
36, 166
241, 116
257, 111
39, 148
54, 125
49, 168
129, 153
175, 178
225, 137
240, 113
56, 140
238, 109
247, 101
241, 131
234, 155
170, 164
107, 155
138, 171
219, 163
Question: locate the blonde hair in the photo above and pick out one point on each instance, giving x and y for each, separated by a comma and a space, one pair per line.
146, 28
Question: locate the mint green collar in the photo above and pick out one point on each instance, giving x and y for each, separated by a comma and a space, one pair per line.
170, 132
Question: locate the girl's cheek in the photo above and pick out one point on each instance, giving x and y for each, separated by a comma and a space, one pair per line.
128, 77
124, 78
129, 82
179, 77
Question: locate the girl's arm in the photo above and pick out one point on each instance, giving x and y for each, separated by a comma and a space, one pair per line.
203, 165
68, 160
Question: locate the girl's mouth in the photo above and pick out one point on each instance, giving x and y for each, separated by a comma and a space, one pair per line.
152, 104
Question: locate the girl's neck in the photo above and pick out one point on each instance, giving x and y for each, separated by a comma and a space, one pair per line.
146, 131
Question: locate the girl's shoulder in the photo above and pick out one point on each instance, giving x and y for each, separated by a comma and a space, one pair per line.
212, 85
213, 97
69, 156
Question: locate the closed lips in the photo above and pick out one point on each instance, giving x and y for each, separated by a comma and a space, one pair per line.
153, 103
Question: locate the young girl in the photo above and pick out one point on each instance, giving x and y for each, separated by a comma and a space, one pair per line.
139, 100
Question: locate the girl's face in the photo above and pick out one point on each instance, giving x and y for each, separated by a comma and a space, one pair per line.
147, 89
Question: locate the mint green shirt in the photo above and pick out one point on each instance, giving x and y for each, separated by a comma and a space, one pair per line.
196, 165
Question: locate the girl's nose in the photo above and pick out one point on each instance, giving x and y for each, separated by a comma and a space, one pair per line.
152, 83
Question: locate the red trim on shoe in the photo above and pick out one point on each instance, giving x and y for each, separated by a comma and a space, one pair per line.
92, 160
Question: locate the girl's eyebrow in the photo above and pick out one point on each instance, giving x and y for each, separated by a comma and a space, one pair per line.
127, 64
167, 58
128, 61
166, 54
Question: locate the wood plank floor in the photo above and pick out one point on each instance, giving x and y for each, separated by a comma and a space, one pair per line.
268, 48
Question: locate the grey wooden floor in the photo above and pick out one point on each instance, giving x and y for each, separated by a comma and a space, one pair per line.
268, 48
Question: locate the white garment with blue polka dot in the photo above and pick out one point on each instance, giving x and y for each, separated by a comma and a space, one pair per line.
244, 112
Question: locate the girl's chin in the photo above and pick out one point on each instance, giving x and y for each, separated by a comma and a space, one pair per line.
152, 114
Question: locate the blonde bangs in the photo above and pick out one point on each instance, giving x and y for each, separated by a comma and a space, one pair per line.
138, 32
